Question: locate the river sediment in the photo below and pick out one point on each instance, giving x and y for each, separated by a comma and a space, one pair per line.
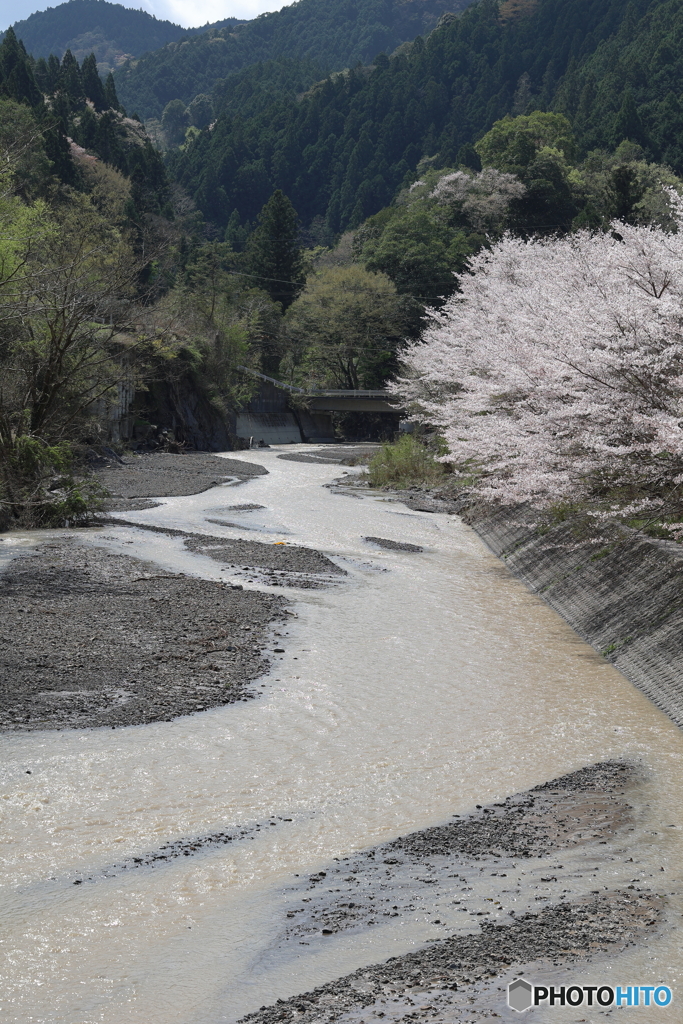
478, 865
94, 639
134, 480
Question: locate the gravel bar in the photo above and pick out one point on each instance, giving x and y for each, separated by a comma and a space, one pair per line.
157, 475
90, 638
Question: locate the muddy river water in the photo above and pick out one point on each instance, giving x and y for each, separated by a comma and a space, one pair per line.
416, 687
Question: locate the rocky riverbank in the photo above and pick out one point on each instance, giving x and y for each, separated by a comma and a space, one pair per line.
133, 480
527, 875
91, 638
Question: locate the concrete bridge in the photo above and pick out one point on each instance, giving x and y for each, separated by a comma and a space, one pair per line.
270, 416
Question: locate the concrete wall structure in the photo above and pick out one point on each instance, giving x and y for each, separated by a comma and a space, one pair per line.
621, 591
269, 427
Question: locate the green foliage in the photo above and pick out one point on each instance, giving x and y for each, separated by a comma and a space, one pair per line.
273, 254
418, 254
250, 91
200, 111
332, 35
46, 124
347, 327
16, 76
38, 488
551, 201
624, 185
513, 143
417, 242
174, 121
220, 321
406, 463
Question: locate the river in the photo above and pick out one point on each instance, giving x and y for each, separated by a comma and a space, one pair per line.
424, 683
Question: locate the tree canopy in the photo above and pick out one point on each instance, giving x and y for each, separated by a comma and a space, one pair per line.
273, 255
343, 149
556, 372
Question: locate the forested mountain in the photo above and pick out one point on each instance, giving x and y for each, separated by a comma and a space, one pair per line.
331, 33
341, 152
110, 31
631, 86
255, 88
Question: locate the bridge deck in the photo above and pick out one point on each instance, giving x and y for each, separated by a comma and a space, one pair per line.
378, 396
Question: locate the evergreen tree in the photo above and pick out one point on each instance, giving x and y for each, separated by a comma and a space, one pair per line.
52, 73
56, 145
627, 123
273, 251
175, 121
236, 233
111, 99
92, 83
16, 75
627, 192
70, 82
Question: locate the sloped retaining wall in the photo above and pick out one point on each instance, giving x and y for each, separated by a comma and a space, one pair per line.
620, 591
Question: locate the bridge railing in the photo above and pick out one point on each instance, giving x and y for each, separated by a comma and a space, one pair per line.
377, 393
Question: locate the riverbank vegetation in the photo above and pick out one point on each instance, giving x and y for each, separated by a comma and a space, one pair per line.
407, 463
555, 372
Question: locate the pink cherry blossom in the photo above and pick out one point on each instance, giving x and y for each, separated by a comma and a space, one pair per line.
557, 370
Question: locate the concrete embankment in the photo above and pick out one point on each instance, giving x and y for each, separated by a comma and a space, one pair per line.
622, 592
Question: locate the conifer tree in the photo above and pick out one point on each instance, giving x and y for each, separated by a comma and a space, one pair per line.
70, 82
16, 74
274, 253
92, 83
111, 99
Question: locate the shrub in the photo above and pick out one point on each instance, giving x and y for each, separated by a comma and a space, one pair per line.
405, 463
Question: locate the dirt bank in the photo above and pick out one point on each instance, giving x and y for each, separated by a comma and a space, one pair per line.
493, 866
90, 638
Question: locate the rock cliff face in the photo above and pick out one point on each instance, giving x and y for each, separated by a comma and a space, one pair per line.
182, 407
620, 591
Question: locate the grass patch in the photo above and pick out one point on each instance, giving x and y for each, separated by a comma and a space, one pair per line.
406, 463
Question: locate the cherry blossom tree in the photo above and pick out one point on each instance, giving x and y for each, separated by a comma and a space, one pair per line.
557, 370
481, 198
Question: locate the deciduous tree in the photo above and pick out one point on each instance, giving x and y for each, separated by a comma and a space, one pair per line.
558, 370
347, 327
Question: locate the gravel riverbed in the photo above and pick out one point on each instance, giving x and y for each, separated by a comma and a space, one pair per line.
479, 865
135, 479
90, 638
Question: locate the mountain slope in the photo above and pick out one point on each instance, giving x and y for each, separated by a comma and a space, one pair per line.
109, 30
334, 34
342, 151
631, 86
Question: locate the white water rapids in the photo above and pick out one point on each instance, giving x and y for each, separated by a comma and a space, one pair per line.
417, 687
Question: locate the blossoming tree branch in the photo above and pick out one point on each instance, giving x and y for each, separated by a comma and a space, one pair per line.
556, 372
